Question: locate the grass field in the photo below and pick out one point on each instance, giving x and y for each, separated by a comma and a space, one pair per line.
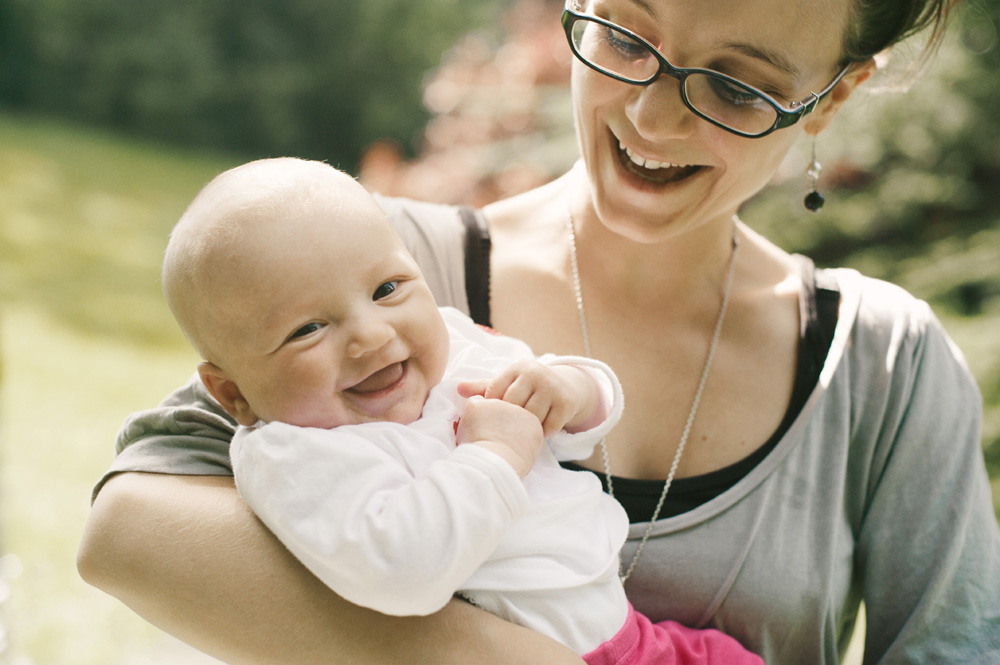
86, 340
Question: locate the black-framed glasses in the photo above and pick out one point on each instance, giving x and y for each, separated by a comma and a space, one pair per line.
722, 100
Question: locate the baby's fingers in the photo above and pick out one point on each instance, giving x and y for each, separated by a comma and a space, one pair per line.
499, 386
553, 415
522, 391
473, 387
494, 388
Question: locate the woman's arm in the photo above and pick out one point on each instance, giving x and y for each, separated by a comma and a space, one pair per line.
928, 547
187, 554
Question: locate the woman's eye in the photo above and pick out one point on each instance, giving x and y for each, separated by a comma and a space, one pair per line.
624, 45
307, 329
733, 94
736, 96
384, 290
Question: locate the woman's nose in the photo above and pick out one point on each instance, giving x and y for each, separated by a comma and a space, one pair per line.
369, 333
657, 110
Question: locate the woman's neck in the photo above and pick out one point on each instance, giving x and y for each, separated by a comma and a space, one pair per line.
679, 263
684, 269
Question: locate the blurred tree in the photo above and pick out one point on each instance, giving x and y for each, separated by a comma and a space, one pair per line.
501, 120
911, 183
14, 52
906, 170
314, 78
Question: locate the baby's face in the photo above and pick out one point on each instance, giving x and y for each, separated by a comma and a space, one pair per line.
336, 325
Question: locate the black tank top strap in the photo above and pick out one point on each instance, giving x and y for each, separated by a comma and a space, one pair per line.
818, 309
477, 264
818, 315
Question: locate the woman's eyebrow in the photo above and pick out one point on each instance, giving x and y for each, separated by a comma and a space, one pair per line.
773, 58
645, 6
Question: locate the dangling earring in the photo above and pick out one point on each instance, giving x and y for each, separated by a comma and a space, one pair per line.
814, 200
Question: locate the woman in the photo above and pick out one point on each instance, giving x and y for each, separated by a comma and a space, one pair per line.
823, 434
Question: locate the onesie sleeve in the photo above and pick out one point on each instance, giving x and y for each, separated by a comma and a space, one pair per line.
580, 445
378, 527
928, 550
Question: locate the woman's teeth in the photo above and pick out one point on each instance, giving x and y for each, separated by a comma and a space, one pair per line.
639, 160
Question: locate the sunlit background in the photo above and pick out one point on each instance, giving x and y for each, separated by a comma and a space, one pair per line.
113, 114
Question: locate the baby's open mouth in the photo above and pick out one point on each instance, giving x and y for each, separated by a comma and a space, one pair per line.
380, 380
653, 171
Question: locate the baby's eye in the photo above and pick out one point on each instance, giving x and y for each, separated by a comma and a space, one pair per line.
307, 329
384, 290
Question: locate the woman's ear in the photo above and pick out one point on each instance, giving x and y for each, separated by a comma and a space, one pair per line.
227, 393
824, 114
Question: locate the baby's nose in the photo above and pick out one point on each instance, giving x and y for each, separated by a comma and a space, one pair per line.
369, 335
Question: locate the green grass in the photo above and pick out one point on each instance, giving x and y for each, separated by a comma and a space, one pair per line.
86, 217
85, 339
65, 394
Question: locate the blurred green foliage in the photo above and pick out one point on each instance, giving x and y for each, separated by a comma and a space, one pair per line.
313, 78
912, 183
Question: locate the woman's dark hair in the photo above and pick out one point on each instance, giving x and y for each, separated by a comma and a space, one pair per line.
875, 25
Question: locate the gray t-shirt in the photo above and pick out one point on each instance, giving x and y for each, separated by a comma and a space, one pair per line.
877, 492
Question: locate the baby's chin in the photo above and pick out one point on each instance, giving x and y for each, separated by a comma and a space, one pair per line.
401, 413
405, 413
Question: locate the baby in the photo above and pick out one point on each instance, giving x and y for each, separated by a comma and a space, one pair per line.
394, 447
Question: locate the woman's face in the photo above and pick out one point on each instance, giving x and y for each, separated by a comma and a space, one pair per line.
701, 173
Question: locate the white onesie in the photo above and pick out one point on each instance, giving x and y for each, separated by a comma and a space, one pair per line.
397, 518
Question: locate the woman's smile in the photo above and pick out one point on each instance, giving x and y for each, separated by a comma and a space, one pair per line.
645, 171
651, 169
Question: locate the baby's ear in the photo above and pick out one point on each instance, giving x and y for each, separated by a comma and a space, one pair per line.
227, 393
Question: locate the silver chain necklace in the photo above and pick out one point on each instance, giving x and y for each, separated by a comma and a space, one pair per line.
697, 395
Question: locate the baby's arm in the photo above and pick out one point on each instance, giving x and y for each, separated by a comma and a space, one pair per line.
380, 512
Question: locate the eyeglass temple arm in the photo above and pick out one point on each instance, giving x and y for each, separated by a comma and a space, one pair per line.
801, 109
806, 107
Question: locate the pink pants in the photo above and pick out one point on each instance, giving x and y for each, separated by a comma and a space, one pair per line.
641, 641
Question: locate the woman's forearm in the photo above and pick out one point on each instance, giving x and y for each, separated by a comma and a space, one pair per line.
187, 554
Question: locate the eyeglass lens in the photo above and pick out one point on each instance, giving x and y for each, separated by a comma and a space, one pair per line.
719, 99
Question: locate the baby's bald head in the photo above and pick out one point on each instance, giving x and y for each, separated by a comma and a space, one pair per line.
241, 221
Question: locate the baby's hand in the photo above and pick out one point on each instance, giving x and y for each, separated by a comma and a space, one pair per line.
560, 396
503, 428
